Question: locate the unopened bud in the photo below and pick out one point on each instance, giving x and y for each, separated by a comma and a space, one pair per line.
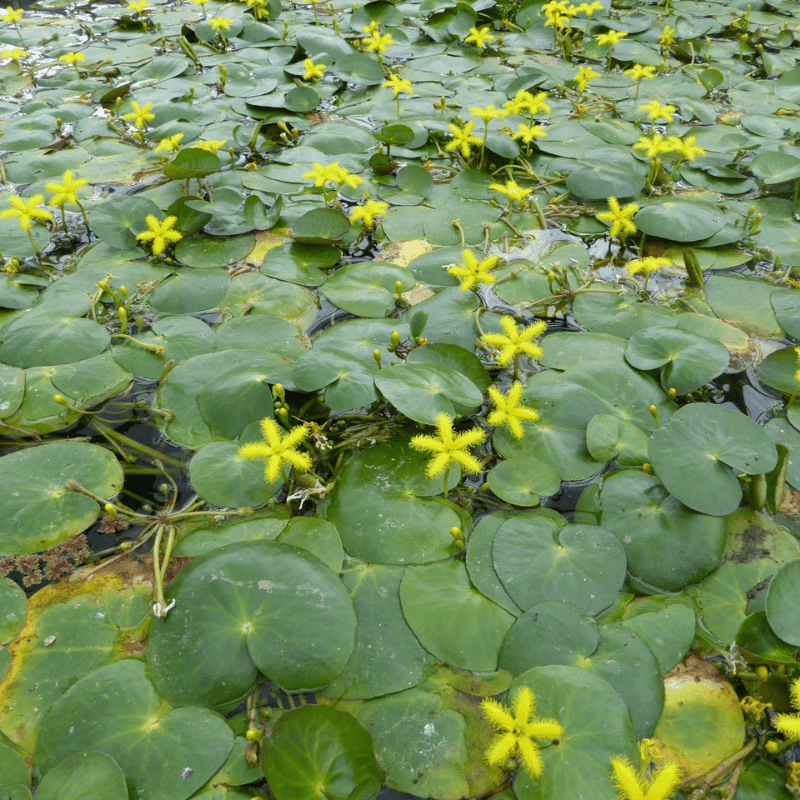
646, 467
59, 398
672, 393
376, 354
126, 545
762, 673
111, 510
455, 532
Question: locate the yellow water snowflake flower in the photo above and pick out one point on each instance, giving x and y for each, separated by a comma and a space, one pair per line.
589, 8
367, 213
160, 233
449, 447
686, 148
511, 190
515, 341
344, 177
140, 115
72, 59
667, 37
509, 410
610, 38
313, 71
378, 42
211, 145
170, 144
64, 192
462, 139
789, 724
525, 101
137, 6
585, 74
528, 133
319, 174
12, 15
646, 265
14, 53
220, 23
373, 27
655, 145
518, 729
398, 84
621, 219
662, 786
558, 14
638, 72
489, 113
655, 111
277, 450
27, 211
472, 272
479, 37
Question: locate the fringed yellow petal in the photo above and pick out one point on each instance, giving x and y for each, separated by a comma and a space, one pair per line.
666, 781
627, 780
497, 715
788, 725
544, 729
530, 757
523, 706
501, 749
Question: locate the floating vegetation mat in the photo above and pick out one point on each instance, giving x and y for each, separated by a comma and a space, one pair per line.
400, 397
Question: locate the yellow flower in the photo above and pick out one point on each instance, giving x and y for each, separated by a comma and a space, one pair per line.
789, 724
377, 43
260, 8
529, 132
368, 212
313, 71
140, 115
514, 193
64, 192
373, 27
686, 148
344, 177
449, 447
220, 23
462, 139
319, 174
610, 38
398, 84
797, 374
525, 101
14, 53
277, 450
646, 265
170, 144
72, 58
160, 233
212, 145
621, 219
558, 14
655, 111
12, 15
488, 113
509, 410
654, 145
137, 6
472, 272
27, 211
665, 781
479, 37
667, 37
516, 341
585, 74
518, 731
637, 72
589, 8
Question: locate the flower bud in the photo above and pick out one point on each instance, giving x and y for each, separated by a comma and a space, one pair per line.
111, 510
59, 398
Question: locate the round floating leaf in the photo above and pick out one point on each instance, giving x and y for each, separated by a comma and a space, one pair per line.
565, 350
367, 289
423, 391
610, 438
13, 769
617, 313
452, 620
199, 541
12, 390
744, 302
782, 602
300, 263
597, 727
190, 292
548, 633
774, 167
688, 361
419, 743
600, 180
668, 633
787, 311
779, 368
348, 379
210, 251
579, 564
117, 221
698, 453
223, 479
762, 781
253, 605
317, 751
38, 508
382, 514
758, 643
381, 627
320, 226
358, 68
114, 710
84, 776
192, 162
680, 220
470, 216
523, 481
14, 609
667, 545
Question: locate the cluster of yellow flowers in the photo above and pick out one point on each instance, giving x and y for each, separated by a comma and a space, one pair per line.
332, 173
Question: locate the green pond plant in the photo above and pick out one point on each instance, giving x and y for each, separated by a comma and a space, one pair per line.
345, 447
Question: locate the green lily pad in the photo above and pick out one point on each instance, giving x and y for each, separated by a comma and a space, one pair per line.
12, 389
668, 632
579, 564
367, 289
759, 643
192, 162
115, 710
318, 751
523, 481
618, 313
452, 620
300, 263
565, 350
197, 541
117, 221
688, 361
38, 507
13, 769
269, 607
208, 251
744, 302
348, 378
667, 545
599, 180
374, 589
84, 776
320, 226
700, 450
778, 370
787, 311
14, 610
610, 438
190, 292
781, 604
773, 167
